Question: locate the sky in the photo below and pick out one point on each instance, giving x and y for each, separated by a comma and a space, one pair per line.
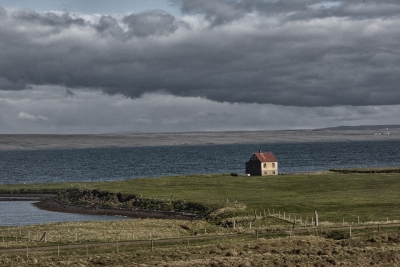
121, 66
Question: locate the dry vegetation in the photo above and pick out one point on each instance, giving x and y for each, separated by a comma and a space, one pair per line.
363, 249
101, 231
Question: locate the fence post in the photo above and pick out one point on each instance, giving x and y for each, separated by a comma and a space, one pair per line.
316, 218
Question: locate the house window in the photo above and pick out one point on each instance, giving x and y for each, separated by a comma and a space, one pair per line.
265, 165
273, 172
273, 165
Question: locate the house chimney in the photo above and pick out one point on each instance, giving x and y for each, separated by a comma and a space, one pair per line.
259, 151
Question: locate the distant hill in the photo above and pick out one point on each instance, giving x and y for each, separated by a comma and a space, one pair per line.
361, 127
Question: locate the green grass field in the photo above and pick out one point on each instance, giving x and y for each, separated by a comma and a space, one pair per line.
371, 197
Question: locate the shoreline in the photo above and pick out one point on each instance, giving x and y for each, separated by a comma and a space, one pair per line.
48, 202
76, 141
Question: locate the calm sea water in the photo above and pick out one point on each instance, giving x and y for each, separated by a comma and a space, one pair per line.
17, 213
107, 164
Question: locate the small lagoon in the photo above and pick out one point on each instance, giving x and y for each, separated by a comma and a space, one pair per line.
19, 213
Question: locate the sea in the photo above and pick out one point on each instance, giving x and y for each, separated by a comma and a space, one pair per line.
111, 164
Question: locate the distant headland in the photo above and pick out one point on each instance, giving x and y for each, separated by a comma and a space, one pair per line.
341, 133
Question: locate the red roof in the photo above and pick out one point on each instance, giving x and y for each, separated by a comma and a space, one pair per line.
266, 157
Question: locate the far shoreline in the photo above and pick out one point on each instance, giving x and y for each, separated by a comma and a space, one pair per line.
77, 141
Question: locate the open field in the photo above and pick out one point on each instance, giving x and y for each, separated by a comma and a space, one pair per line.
352, 197
11, 142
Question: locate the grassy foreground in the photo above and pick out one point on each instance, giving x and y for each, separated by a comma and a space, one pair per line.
340, 199
352, 197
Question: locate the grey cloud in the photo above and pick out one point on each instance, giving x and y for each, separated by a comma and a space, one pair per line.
350, 9
217, 11
255, 52
90, 111
12, 84
224, 11
48, 19
69, 93
109, 26
150, 23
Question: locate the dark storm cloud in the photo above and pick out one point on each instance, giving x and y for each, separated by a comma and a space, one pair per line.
301, 53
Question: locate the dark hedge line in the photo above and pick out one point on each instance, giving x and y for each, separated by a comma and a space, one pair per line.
348, 171
102, 199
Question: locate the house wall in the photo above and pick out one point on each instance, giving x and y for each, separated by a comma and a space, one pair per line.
269, 168
253, 167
